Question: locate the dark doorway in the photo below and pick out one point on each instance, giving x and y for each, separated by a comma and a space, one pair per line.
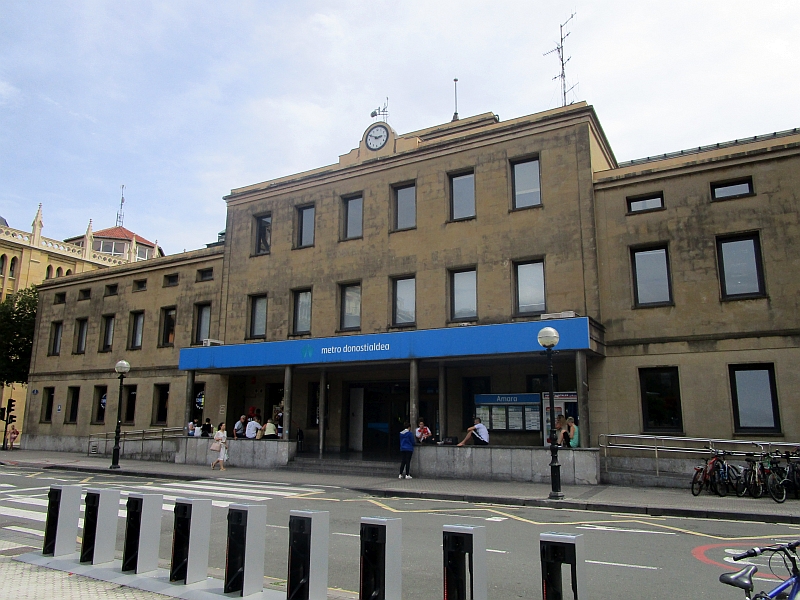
471, 386
385, 410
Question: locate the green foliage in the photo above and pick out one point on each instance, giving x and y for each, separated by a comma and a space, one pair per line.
17, 326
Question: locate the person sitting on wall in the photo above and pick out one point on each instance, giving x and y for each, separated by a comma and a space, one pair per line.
253, 427
191, 427
423, 434
207, 429
270, 431
574, 438
478, 433
239, 428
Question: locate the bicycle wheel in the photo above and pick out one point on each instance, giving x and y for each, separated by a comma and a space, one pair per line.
741, 483
697, 483
776, 488
754, 487
796, 481
718, 483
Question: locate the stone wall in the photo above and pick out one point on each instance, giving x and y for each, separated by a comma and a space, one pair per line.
261, 454
579, 466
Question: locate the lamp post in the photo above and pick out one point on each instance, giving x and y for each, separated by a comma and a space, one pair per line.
122, 368
548, 339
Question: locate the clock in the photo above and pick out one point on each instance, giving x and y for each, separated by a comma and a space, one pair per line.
377, 137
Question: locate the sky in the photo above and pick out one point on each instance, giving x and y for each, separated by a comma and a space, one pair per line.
182, 101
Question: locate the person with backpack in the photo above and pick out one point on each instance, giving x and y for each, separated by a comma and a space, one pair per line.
406, 450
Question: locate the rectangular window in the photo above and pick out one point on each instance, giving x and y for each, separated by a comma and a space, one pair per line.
108, 333
258, 316
651, 280
464, 294
661, 399
405, 301
305, 226
263, 225
81, 329
48, 395
140, 285
525, 179
462, 196
170, 280
727, 190
84, 294
73, 397
99, 404
57, 299
161, 403
56, 329
740, 270
205, 274
142, 252
137, 327
405, 207
129, 404
530, 287
351, 306
302, 311
755, 399
353, 217
112, 289
644, 203
202, 323
168, 326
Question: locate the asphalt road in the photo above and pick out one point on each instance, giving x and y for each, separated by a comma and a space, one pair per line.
626, 556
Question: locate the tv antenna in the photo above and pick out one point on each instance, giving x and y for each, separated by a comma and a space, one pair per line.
560, 50
120, 215
381, 114
455, 93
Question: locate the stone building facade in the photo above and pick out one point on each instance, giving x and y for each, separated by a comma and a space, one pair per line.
411, 278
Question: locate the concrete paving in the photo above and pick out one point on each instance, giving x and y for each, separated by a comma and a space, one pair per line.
608, 498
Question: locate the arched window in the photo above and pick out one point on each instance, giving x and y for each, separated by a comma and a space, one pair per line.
12, 268
59, 272
48, 274
69, 272
2, 265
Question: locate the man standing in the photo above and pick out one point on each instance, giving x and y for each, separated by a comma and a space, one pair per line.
239, 428
478, 433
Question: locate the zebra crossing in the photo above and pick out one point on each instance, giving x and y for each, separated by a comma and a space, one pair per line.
24, 510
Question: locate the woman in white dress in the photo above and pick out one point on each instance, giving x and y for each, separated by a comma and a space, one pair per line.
222, 437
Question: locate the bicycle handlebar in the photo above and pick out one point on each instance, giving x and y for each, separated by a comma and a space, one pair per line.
758, 551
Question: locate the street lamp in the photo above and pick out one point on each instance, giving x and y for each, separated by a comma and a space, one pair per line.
122, 368
548, 338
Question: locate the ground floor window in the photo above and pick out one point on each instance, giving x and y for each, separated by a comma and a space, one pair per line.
99, 404
48, 394
129, 399
160, 403
755, 400
73, 397
661, 399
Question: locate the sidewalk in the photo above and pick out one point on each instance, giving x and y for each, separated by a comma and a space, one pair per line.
606, 498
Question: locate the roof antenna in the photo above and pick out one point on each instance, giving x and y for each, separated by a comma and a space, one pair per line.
120, 215
455, 87
381, 113
560, 50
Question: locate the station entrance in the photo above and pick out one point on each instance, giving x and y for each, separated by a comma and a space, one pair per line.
378, 411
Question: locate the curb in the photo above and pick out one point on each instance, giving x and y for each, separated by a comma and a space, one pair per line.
651, 511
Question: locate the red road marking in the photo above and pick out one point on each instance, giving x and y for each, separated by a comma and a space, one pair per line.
700, 554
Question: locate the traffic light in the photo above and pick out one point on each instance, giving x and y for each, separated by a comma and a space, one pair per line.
11, 419
10, 405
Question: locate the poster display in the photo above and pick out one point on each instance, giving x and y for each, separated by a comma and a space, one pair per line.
516, 421
533, 417
482, 412
499, 417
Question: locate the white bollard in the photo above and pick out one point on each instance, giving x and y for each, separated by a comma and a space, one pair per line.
464, 554
191, 535
100, 517
142, 533
244, 562
308, 555
381, 558
61, 527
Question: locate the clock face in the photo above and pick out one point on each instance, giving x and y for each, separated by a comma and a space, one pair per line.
377, 137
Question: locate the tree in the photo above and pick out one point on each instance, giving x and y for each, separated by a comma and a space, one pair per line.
17, 326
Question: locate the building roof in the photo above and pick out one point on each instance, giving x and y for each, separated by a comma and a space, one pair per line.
3, 222
116, 233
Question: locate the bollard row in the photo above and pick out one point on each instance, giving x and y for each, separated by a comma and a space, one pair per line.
463, 547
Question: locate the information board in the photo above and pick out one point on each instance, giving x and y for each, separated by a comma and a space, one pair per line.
516, 421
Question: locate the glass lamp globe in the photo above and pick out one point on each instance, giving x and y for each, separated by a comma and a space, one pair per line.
548, 337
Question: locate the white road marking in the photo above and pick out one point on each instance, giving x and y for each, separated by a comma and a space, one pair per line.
27, 530
278, 526
17, 513
497, 551
454, 516
613, 564
7, 485
497, 519
604, 528
150, 488
356, 535
213, 487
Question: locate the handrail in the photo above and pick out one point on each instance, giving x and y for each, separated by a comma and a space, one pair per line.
138, 435
682, 445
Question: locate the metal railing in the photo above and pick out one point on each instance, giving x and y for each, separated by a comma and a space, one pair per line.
683, 445
138, 436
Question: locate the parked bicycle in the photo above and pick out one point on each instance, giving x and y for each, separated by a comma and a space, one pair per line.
743, 579
717, 475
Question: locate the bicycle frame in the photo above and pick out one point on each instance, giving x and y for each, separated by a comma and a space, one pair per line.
792, 582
